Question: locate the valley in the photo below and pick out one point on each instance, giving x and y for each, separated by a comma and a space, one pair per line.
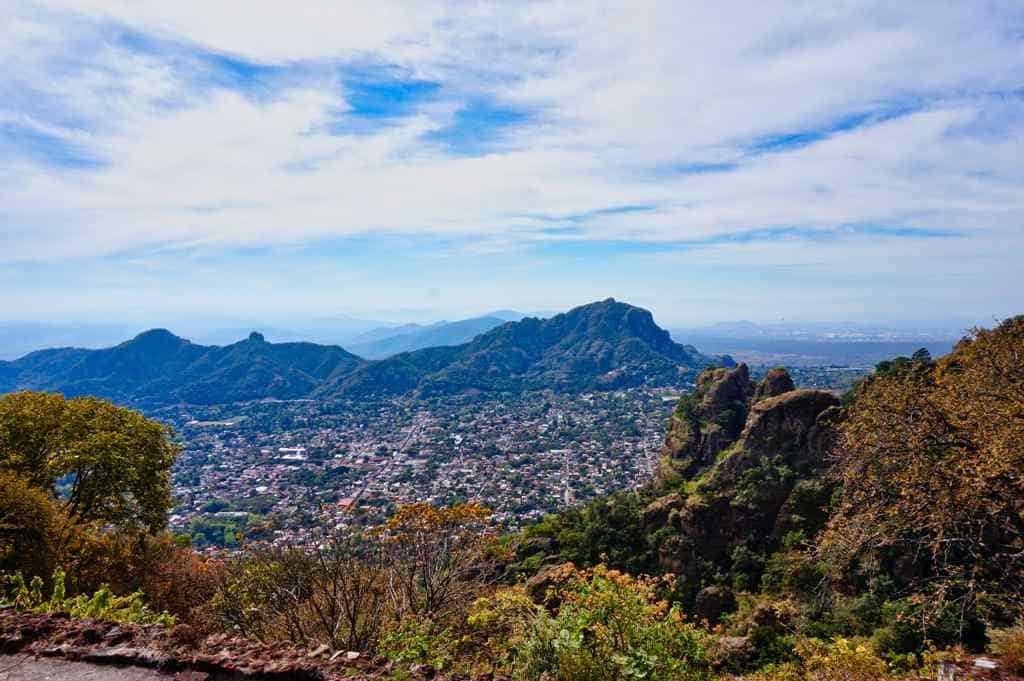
289, 471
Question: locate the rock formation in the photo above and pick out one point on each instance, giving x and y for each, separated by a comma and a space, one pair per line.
133, 647
743, 466
775, 382
708, 421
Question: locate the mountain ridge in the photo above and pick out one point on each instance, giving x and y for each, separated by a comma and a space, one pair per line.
602, 345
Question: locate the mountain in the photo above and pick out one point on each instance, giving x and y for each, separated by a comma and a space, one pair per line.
600, 346
157, 367
513, 315
409, 337
820, 343
382, 332
604, 345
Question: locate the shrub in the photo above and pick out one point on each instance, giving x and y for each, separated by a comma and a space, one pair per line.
29, 520
103, 604
420, 641
182, 582
334, 595
912, 626
768, 622
608, 625
1009, 644
840, 660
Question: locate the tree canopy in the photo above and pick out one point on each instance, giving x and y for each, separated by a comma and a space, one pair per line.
931, 462
105, 463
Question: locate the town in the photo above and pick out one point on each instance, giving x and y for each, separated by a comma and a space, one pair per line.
289, 471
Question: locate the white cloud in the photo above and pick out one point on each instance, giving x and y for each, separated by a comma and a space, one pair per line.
617, 94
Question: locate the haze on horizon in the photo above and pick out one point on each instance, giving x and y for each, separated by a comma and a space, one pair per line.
418, 161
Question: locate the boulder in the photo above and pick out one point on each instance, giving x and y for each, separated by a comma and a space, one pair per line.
712, 602
656, 513
786, 422
776, 382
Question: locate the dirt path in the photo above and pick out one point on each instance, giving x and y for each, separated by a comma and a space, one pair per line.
28, 668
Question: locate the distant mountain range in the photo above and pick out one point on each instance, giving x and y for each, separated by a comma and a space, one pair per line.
381, 343
837, 331
604, 345
18, 338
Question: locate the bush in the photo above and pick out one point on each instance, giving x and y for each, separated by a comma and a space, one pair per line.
1009, 645
838, 660
101, 605
29, 519
182, 582
841, 660
418, 640
768, 623
913, 627
608, 625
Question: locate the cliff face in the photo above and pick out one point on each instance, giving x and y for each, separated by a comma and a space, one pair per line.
745, 462
706, 422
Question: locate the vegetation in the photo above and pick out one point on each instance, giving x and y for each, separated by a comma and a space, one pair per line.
101, 605
105, 463
932, 471
606, 625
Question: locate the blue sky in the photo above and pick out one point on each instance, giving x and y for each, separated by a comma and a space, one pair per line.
274, 161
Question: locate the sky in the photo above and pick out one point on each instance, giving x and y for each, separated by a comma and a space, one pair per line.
414, 160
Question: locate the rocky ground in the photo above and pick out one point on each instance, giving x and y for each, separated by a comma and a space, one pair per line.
28, 668
53, 646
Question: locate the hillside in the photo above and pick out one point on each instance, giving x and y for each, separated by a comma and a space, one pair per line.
790, 536
157, 367
603, 345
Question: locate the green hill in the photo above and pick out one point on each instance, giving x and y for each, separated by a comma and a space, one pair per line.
604, 345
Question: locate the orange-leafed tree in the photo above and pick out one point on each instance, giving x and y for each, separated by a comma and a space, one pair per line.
439, 557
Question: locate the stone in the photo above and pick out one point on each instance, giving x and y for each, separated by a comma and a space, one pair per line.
710, 425
320, 650
544, 580
776, 382
786, 422
656, 513
712, 602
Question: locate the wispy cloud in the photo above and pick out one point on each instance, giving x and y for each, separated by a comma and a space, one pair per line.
509, 128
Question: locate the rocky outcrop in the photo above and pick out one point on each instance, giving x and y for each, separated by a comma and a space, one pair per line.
788, 429
747, 464
785, 422
775, 382
657, 513
712, 602
706, 422
723, 390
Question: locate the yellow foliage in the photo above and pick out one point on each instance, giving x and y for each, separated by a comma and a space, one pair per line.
931, 463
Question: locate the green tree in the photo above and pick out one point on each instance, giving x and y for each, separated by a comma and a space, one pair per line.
29, 523
112, 464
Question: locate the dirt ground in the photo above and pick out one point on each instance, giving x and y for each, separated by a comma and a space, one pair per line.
29, 668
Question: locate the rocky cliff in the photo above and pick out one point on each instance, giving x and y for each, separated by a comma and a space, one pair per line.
743, 464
